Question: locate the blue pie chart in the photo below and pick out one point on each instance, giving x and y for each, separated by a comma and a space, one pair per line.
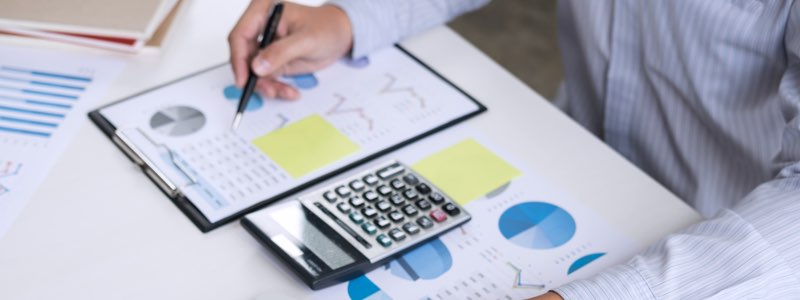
428, 261
537, 225
583, 261
362, 288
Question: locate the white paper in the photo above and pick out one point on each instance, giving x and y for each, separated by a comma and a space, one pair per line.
376, 103
476, 261
44, 98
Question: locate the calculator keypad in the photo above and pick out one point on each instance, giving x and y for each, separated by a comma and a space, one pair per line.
390, 207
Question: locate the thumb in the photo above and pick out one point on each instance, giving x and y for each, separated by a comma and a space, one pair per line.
278, 54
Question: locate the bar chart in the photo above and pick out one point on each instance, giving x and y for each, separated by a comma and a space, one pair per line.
34, 103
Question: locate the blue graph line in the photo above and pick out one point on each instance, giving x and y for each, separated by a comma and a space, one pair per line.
25, 121
23, 131
35, 102
30, 111
43, 83
41, 93
518, 279
46, 74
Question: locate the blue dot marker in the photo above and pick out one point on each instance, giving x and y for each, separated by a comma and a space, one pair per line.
233, 94
304, 81
358, 63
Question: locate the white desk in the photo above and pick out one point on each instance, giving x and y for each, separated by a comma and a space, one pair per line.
99, 229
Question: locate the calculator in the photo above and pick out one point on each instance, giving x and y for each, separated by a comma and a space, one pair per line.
350, 227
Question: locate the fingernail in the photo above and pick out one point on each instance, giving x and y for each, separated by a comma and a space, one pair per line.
261, 67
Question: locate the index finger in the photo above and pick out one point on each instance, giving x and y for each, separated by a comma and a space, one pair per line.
242, 39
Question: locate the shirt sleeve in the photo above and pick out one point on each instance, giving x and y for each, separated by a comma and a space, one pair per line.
750, 251
381, 23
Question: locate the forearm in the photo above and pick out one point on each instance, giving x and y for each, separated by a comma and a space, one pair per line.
752, 251
380, 23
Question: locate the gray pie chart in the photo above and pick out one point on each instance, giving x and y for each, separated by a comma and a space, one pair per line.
177, 121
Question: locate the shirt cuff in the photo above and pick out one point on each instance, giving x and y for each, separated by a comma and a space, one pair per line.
368, 35
619, 282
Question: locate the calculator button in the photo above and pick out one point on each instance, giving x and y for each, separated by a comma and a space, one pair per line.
424, 222
411, 228
451, 209
370, 196
369, 212
369, 228
397, 234
423, 204
356, 202
396, 216
410, 194
423, 189
357, 185
383, 205
436, 198
371, 179
438, 215
330, 196
384, 240
343, 191
411, 179
382, 222
356, 218
390, 171
384, 190
343, 207
396, 199
409, 210
397, 184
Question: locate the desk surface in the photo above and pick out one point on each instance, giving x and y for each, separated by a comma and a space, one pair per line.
98, 229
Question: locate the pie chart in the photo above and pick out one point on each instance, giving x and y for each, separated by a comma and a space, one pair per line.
362, 288
537, 225
583, 261
177, 121
428, 261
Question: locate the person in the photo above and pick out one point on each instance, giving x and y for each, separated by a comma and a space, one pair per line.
704, 96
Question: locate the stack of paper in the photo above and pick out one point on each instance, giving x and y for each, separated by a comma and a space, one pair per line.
112, 24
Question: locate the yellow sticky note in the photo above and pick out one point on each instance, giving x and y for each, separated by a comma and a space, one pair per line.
466, 171
306, 145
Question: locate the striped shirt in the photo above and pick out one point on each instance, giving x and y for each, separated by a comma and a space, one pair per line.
702, 95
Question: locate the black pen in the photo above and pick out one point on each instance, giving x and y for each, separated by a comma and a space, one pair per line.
266, 38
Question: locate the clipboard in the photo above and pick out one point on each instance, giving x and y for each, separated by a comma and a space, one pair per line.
177, 193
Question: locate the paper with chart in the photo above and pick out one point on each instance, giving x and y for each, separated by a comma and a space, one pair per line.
44, 97
347, 112
525, 237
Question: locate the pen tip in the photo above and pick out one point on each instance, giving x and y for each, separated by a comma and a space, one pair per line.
236, 120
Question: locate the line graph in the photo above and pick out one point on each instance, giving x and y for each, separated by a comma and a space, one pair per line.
392, 87
338, 109
9, 169
518, 284
283, 120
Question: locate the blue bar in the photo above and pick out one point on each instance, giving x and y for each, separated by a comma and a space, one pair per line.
23, 131
56, 85
35, 92
47, 74
50, 104
44, 83
31, 122
30, 111
36, 102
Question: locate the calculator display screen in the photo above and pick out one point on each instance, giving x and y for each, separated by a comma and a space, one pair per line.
304, 227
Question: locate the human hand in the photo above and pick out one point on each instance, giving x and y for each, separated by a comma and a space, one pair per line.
548, 296
307, 39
